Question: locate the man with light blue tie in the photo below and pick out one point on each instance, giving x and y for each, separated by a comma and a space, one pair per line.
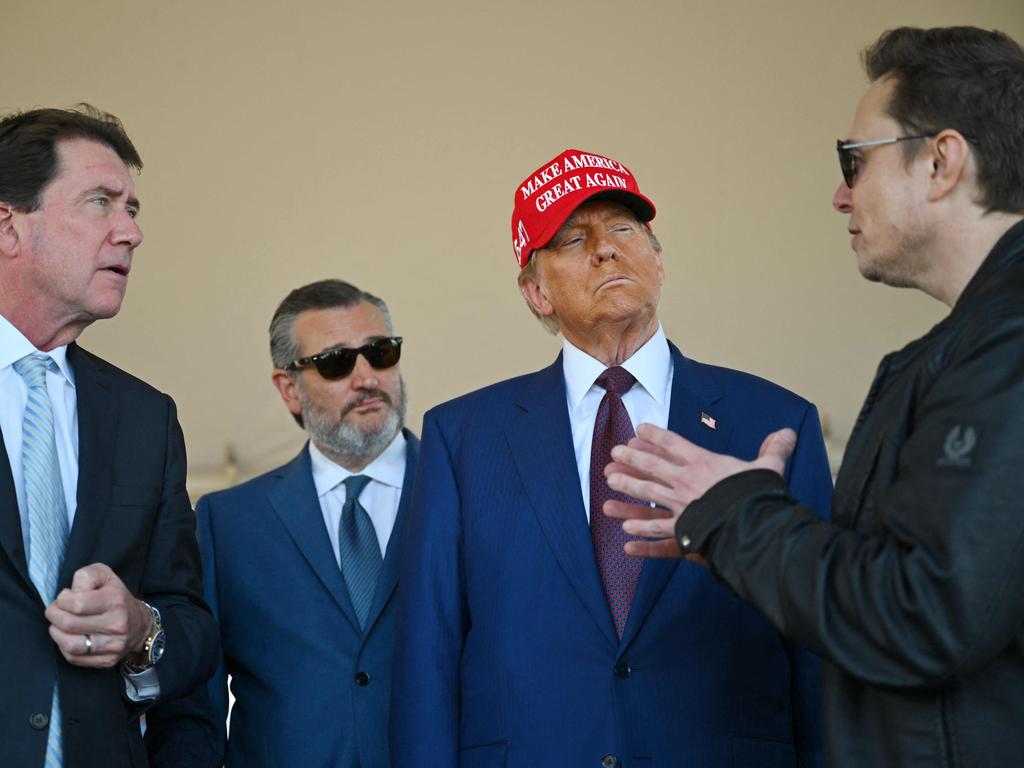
301, 563
100, 596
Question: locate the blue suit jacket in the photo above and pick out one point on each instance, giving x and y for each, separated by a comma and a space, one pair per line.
311, 689
506, 651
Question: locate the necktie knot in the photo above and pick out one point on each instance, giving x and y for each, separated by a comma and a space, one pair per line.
32, 369
616, 379
354, 486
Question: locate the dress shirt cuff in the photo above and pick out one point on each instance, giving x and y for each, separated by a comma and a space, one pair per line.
141, 686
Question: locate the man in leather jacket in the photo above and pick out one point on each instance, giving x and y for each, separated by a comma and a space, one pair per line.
914, 593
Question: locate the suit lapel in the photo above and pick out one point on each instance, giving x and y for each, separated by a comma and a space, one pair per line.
98, 417
388, 579
11, 538
295, 502
540, 440
694, 394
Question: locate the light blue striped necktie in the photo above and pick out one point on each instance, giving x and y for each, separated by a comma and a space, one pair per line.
47, 512
360, 552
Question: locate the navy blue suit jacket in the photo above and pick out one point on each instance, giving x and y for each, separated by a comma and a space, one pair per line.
311, 688
506, 652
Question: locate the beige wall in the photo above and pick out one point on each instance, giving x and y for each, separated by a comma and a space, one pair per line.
382, 143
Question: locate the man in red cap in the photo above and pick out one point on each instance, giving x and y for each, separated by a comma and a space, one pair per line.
527, 638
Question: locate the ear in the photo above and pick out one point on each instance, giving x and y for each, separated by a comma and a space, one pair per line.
534, 294
9, 238
947, 154
287, 387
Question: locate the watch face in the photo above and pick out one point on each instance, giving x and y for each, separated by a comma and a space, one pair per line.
156, 650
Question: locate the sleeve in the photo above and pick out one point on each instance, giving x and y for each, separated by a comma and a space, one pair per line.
191, 731
432, 616
172, 579
935, 590
810, 479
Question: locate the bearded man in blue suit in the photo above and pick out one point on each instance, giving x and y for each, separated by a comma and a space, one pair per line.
526, 637
301, 564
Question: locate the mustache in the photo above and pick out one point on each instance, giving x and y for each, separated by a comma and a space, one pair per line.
369, 394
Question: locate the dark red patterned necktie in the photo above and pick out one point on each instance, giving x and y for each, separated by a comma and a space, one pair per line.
619, 572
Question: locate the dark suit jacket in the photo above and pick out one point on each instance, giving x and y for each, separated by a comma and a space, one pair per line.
133, 515
311, 688
507, 654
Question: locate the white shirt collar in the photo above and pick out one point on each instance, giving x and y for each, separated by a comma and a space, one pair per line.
388, 468
651, 365
14, 346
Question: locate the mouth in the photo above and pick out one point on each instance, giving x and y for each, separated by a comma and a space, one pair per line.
118, 269
612, 280
369, 401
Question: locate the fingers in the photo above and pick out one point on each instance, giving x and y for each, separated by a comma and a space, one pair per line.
88, 650
626, 511
668, 444
663, 548
776, 450
92, 577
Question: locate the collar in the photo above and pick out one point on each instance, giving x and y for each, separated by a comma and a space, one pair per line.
651, 365
14, 346
388, 468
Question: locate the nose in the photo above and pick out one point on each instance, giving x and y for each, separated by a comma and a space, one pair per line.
364, 375
126, 230
604, 249
842, 200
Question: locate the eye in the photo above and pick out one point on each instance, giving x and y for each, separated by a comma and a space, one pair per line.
133, 212
571, 240
101, 200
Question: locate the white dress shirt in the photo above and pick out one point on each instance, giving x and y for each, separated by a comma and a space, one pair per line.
379, 498
647, 402
60, 385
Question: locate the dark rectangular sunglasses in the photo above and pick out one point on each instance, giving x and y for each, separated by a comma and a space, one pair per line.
338, 363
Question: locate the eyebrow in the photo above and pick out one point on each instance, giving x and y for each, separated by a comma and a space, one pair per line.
110, 192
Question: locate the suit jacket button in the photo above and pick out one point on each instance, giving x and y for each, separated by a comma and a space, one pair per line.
362, 678
38, 720
610, 761
622, 670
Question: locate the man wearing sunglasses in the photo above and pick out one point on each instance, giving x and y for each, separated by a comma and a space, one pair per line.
914, 596
526, 637
301, 564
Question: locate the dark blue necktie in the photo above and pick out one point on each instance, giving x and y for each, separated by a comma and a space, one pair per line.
360, 552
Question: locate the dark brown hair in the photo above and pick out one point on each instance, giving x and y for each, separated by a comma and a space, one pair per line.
28, 148
967, 79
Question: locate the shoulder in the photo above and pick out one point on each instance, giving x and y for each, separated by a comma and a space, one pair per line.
244, 494
490, 401
742, 386
86, 364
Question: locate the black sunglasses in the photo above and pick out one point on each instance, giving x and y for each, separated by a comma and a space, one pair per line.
849, 164
338, 363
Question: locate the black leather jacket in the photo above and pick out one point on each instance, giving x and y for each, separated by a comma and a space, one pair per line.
914, 595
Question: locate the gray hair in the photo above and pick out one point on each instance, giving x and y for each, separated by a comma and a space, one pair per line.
323, 294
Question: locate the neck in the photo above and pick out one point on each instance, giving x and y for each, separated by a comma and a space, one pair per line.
36, 320
613, 343
960, 251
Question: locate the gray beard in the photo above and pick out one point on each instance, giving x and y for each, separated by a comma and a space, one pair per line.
337, 437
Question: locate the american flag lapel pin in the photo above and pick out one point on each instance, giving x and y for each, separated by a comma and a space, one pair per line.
707, 421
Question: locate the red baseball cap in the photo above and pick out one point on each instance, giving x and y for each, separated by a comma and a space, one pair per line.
549, 195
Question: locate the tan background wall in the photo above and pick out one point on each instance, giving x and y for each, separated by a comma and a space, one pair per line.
382, 143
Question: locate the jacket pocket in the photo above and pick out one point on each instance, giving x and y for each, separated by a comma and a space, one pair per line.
762, 753
484, 755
